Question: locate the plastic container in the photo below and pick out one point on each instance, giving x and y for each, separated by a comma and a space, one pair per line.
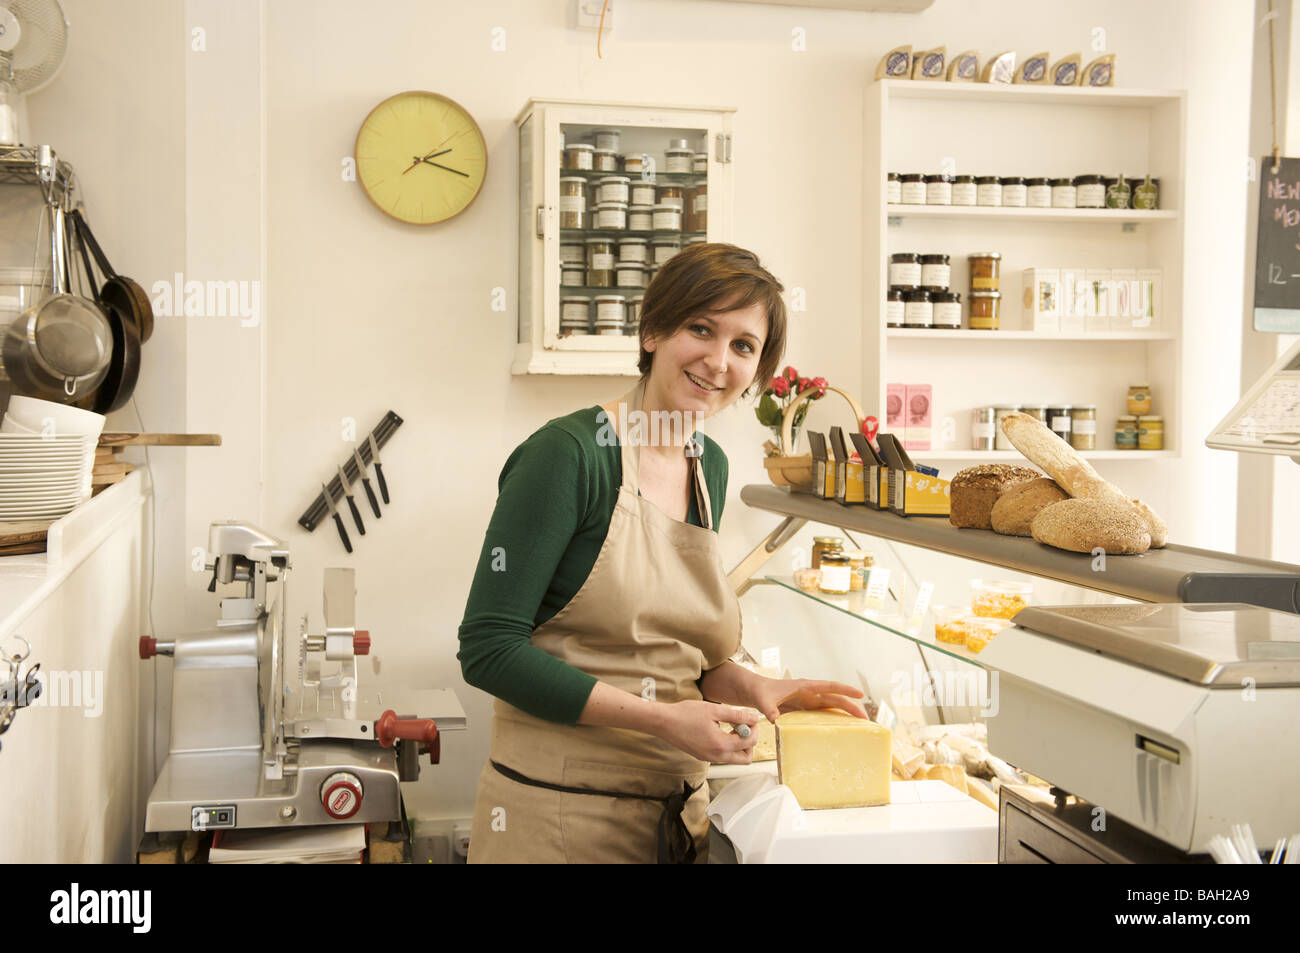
809, 580
999, 599
981, 631
951, 623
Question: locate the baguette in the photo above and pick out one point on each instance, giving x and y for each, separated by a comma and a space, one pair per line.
1084, 526
1075, 475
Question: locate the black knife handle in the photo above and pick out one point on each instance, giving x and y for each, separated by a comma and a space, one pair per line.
356, 515
383, 484
343, 534
370, 495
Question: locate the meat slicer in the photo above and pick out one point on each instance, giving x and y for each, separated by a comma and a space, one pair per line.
259, 741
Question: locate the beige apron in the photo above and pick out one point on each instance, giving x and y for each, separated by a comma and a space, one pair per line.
655, 612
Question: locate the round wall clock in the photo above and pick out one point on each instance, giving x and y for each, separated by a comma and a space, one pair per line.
421, 158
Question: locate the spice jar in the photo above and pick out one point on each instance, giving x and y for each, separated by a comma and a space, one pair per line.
611, 314
1151, 432
983, 422
633, 250
641, 193
984, 309
573, 252
639, 163
1000, 439
579, 156
1126, 432
604, 160
607, 139
963, 190
664, 248
630, 275
894, 308
1064, 194
613, 189
823, 545
633, 314
1089, 192
1014, 192
573, 201
572, 274
1037, 412
984, 270
640, 218
988, 190
918, 311
912, 188
671, 195
905, 270
600, 262
679, 156
893, 189
936, 273
1139, 399
697, 208
1119, 194
575, 315
1038, 193
835, 573
947, 309
1147, 194
938, 189
1083, 427
610, 215
700, 163
667, 218
860, 564
1058, 421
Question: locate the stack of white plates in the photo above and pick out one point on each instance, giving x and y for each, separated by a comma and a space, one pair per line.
43, 477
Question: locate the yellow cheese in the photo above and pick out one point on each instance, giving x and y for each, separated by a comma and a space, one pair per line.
1066, 71
953, 774
907, 759
928, 64
964, 67
765, 746
831, 759
999, 69
981, 792
1033, 70
1100, 72
896, 64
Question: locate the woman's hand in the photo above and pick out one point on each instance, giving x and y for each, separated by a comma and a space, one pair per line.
772, 696
692, 727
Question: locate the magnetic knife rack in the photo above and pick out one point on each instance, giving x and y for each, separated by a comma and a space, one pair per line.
319, 509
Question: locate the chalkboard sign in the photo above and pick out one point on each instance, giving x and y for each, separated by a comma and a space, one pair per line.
1277, 252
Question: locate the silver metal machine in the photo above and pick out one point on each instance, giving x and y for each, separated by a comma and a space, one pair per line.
262, 735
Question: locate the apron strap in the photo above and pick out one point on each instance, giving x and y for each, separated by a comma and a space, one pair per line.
695, 451
675, 843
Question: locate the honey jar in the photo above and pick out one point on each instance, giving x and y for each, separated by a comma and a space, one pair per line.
1151, 432
984, 270
984, 310
823, 545
860, 564
836, 577
1139, 399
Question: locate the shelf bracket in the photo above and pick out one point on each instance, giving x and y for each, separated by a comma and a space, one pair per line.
740, 579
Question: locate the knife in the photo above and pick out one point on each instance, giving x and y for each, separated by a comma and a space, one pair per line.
352, 503
338, 520
379, 469
365, 481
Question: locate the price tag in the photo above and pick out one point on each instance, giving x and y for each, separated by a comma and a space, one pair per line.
877, 586
920, 607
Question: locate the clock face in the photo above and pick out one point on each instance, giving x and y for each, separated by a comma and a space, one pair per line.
421, 158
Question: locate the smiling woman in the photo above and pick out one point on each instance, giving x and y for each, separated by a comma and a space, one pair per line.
600, 614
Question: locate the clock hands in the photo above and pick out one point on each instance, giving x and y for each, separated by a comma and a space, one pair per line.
419, 159
446, 168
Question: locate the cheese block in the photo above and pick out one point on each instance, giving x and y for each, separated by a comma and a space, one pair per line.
964, 67
953, 774
1000, 69
896, 64
907, 759
1100, 72
981, 792
831, 759
1033, 70
928, 64
1066, 71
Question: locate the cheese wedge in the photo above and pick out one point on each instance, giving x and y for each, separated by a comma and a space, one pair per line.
979, 791
1033, 70
953, 774
896, 64
830, 759
928, 64
964, 67
1100, 72
1066, 71
907, 759
1000, 69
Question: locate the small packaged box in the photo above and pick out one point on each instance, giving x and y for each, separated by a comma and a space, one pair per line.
911, 492
1121, 298
916, 432
823, 468
1147, 302
1074, 300
874, 472
1042, 298
849, 486
895, 400
1097, 316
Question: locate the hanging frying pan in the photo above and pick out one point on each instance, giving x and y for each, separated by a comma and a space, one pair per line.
118, 290
124, 366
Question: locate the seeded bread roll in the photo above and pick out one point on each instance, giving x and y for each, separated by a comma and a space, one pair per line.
1015, 509
1083, 526
1072, 473
975, 489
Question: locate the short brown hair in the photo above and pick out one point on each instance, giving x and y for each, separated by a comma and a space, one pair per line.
709, 277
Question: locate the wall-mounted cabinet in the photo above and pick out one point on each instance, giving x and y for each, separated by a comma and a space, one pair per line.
985, 129
607, 194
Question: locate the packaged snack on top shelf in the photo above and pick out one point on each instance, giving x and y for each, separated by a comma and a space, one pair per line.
1033, 70
1065, 71
964, 67
928, 64
896, 64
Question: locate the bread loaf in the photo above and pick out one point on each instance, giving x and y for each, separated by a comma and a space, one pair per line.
1071, 472
1015, 509
1083, 526
974, 491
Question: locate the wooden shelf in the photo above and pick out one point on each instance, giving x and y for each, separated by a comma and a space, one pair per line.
1112, 215
967, 334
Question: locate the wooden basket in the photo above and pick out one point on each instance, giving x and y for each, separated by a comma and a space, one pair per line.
796, 471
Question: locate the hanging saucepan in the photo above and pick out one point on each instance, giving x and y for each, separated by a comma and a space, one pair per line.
121, 292
124, 367
62, 346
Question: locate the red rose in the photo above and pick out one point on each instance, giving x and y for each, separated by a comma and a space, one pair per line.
791, 374
780, 387
821, 385
803, 383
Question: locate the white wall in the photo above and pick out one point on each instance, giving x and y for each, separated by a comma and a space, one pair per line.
363, 314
